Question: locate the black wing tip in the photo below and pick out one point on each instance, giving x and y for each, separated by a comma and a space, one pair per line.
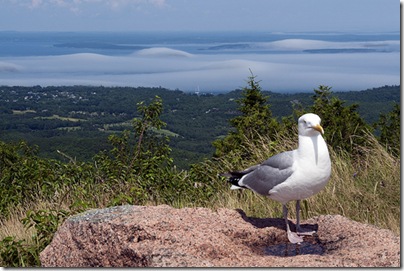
234, 177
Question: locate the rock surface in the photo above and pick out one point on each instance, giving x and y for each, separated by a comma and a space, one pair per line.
153, 236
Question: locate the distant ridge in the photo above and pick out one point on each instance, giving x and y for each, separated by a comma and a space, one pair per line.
77, 120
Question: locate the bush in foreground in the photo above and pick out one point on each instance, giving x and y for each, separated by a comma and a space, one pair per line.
38, 194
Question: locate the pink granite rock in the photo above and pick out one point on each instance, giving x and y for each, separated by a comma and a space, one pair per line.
162, 236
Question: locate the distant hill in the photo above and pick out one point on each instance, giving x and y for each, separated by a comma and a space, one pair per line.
372, 102
78, 119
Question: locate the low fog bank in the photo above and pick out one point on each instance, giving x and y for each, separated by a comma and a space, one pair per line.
293, 71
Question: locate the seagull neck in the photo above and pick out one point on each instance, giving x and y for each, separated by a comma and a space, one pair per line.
312, 146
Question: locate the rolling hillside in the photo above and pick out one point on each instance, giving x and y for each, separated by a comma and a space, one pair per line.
77, 120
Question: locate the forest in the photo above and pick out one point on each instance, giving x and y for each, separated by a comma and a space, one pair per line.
77, 120
145, 146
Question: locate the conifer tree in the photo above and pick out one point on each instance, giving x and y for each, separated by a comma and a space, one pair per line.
255, 120
344, 127
389, 125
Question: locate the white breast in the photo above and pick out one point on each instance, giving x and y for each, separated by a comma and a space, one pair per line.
312, 169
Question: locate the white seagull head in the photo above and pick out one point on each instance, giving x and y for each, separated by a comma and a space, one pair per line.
309, 125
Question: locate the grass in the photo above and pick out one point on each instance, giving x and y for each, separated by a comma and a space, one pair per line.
128, 124
61, 118
364, 188
22, 112
13, 226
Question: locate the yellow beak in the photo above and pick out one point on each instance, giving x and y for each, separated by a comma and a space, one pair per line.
319, 128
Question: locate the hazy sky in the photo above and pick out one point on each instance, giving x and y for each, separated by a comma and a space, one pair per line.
200, 15
157, 67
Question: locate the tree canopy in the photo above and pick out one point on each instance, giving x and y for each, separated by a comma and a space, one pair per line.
255, 120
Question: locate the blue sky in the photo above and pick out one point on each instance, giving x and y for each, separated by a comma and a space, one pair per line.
200, 15
281, 72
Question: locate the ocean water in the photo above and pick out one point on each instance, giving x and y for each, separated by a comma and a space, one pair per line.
203, 61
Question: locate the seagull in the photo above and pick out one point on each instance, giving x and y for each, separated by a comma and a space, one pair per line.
291, 175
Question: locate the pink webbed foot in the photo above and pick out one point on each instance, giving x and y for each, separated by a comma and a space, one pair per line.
294, 238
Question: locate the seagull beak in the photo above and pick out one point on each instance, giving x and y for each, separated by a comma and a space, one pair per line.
318, 128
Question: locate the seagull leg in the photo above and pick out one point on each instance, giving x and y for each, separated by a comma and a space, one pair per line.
292, 236
300, 230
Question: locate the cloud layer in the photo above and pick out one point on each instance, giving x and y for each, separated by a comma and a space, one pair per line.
78, 6
176, 69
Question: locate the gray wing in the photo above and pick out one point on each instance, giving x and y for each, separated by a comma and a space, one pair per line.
270, 173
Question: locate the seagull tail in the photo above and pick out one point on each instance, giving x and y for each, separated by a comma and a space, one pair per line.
234, 178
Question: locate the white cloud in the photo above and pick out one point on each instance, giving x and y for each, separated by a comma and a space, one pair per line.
9, 67
77, 6
159, 3
73, 6
118, 5
304, 44
162, 52
36, 3
30, 4
222, 72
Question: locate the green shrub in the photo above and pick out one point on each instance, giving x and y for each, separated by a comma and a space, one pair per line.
365, 179
23, 253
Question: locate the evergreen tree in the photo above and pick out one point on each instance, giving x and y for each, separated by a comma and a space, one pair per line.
389, 125
255, 120
344, 127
